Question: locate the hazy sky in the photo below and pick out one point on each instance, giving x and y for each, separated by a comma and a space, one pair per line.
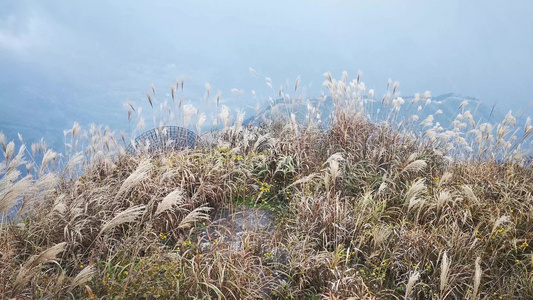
80, 60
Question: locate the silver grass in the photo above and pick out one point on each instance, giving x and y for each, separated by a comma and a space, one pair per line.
477, 279
36, 147
410, 284
470, 118
344, 77
201, 119
253, 72
207, 89
414, 192
328, 76
509, 119
382, 187
417, 98
74, 161
188, 111
47, 183
39, 191
198, 214
335, 157
528, 128
140, 124
76, 128
173, 88
502, 220
397, 103
238, 92
443, 198
445, 268
10, 177
150, 99
121, 151
427, 121
137, 176
9, 151
415, 201
294, 124
431, 134
169, 174
49, 156
304, 180
10, 193
219, 95
361, 87
334, 170
83, 276
381, 233
3, 141
501, 130
59, 206
61, 278
224, 115
469, 193
31, 266
174, 198
416, 166
263, 142
238, 122
126, 216
18, 160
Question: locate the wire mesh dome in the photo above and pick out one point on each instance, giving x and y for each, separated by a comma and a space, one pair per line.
163, 139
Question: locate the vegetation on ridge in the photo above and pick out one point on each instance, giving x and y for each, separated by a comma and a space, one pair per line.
367, 210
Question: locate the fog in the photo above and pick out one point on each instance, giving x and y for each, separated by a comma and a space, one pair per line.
66, 61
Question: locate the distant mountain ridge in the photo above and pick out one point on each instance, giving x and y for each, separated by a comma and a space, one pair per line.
449, 105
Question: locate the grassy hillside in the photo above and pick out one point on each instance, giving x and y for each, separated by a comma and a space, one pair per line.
362, 210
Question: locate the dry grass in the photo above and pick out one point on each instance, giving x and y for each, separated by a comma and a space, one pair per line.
365, 210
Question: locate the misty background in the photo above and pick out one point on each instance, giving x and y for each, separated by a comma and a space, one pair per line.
66, 61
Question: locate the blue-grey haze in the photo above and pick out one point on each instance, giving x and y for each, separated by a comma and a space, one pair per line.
66, 61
